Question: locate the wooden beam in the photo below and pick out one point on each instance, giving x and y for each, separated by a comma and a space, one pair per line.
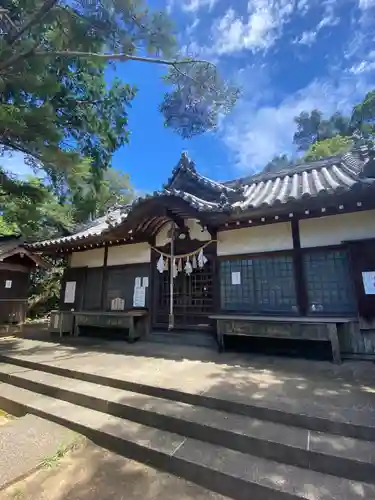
299, 274
104, 278
7, 266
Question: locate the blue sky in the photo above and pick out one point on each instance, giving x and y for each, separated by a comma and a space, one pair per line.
288, 56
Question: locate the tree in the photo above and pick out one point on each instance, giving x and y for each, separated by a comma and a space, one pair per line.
36, 219
311, 128
55, 105
278, 163
328, 147
363, 116
58, 212
115, 189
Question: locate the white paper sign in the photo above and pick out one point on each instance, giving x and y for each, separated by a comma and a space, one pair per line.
70, 292
117, 304
368, 278
138, 282
8, 283
139, 296
56, 321
236, 278
145, 281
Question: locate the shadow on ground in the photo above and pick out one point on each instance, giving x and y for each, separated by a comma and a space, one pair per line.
93, 472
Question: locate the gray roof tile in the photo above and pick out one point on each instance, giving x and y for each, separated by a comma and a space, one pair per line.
320, 178
334, 175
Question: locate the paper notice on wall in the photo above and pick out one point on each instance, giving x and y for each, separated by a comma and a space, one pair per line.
8, 283
139, 296
145, 281
138, 282
56, 321
70, 292
236, 278
368, 278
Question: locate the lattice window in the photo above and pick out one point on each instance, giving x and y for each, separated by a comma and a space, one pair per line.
267, 285
193, 297
328, 282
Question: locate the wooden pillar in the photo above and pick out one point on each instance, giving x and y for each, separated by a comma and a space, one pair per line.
104, 279
216, 275
299, 273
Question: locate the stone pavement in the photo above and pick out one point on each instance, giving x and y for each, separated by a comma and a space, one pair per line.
25, 442
92, 472
293, 385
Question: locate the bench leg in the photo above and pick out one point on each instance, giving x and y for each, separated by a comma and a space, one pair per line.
336, 355
131, 338
220, 342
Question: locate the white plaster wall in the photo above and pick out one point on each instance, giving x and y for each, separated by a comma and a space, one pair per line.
195, 230
334, 229
90, 258
129, 254
257, 239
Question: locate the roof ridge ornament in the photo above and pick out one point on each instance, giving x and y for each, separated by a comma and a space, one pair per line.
185, 162
364, 147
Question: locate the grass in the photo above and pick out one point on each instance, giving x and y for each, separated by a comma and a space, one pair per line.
18, 494
62, 450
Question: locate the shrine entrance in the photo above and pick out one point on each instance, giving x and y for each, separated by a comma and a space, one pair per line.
193, 292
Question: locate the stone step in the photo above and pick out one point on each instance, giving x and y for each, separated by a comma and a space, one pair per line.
352, 423
330, 454
228, 472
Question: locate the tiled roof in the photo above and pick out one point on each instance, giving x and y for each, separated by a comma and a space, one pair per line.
187, 167
328, 176
13, 245
8, 243
94, 228
194, 201
333, 175
116, 216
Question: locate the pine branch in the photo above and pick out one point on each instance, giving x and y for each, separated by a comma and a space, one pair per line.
115, 57
35, 19
105, 57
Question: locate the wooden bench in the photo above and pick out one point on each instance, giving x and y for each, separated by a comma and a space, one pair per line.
136, 321
301, 328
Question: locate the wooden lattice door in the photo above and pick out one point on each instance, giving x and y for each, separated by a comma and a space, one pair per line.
193, 298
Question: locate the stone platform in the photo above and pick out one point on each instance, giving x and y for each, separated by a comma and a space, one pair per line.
271, 428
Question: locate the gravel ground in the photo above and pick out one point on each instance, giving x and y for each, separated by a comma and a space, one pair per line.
25, 442
91, 472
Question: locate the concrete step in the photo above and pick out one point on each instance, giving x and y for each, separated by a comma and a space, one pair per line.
351, 423
330, 454
228, 472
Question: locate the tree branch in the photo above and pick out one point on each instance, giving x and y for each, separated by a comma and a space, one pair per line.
36, 18
115, 57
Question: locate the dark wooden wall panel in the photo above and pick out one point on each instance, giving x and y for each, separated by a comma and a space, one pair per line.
77, 274
93, 289
362, 256
120, 283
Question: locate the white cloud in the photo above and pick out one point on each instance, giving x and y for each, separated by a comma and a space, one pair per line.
231, 33
255, 134
329, 19
364, 66
190, 5
366, 4
307, 38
